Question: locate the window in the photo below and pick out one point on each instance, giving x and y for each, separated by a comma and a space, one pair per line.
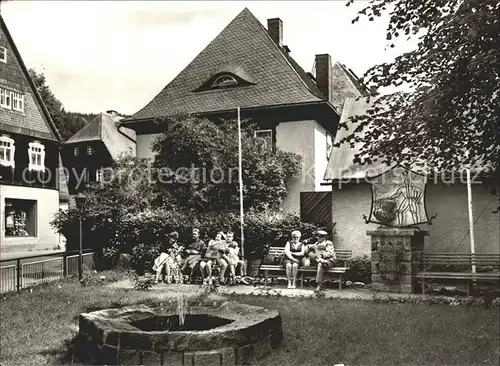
90, 151
264, 139
329, 145
5, 98
36, 153
3, 54
76, 151
7, 149
224, 81
20, 217
17, 102
98, 175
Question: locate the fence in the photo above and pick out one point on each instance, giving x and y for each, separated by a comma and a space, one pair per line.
28, 271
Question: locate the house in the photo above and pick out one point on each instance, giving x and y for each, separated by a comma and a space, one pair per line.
446, 196
29, 148
248, 66
95, 146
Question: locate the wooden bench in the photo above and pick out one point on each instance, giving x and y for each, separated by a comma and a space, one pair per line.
344, 257
464, 260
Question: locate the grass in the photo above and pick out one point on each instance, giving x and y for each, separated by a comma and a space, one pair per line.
38, 327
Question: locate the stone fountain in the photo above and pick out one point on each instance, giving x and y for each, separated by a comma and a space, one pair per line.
201, 333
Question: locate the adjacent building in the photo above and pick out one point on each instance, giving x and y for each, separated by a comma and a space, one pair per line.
96, 146
29, 157
248, 66
446, 196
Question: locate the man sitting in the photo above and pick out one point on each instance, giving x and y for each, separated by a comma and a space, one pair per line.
321, 254
194, 252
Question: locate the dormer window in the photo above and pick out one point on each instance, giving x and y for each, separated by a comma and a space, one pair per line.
228, 75
3, 54
36, 153
7, 150
224, 81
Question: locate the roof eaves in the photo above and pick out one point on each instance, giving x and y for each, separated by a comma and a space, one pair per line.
125, 122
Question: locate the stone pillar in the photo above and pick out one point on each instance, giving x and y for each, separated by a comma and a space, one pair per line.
395, 258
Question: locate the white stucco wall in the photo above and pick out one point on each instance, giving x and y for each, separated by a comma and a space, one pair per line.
144, 145
298, 137
449, 231
47, 204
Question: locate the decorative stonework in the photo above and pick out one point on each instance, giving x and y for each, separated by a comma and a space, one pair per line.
395, 258
239, 334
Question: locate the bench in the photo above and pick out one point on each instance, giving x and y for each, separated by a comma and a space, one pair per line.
464, 262
344, 257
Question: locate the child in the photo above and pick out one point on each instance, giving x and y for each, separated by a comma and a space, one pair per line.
168, 258
232, 257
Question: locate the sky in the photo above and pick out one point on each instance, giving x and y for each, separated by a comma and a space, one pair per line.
101, 55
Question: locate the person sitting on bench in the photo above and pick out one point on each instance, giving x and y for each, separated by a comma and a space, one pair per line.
322, 254
294, 255
194, 252
211, 256
168, 258
224, 260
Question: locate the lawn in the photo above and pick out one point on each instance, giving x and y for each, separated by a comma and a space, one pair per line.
36, 328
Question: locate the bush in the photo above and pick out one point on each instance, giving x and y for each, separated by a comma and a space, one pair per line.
360, 270
143, 283
142, 234
267, 228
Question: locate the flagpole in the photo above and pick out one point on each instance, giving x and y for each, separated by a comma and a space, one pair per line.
471, 219
240, 178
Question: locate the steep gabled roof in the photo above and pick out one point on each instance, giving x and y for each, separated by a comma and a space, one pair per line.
341, 166
246, 43
40, 127
105, 128
345, 85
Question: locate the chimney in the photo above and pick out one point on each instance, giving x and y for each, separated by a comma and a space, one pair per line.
323, 74
275, 30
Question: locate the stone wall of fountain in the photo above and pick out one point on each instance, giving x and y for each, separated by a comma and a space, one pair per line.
210, 333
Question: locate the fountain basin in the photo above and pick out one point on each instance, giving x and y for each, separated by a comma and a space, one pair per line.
213, 333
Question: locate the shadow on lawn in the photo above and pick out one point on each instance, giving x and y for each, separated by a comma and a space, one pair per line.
73, 352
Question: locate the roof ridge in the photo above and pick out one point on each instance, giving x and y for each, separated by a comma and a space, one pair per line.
354, 78
38, 97
281, 52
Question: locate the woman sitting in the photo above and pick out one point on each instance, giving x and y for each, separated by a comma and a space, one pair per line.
169, 258
294, 255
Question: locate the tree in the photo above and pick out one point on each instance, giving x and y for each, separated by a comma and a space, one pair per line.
67, 123
199, 159
449, 120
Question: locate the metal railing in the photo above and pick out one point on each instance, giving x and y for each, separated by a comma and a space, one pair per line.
29, 272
